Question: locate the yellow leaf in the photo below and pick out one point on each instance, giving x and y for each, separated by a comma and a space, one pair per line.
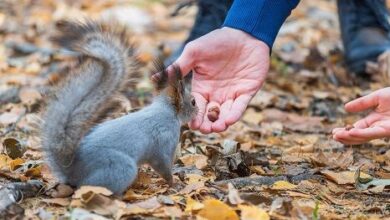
283, 185
217, 210
130, 195
253, 213
14, 164
4, 160
193, 205
34, 172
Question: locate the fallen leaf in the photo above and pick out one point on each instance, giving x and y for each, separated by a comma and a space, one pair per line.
57, 201
229, 147
193, 205
61, 191
165, 200
131, 195
343, 177
192, 187
4, 161
199, 160
217, 210
253, 213
233, 195
377, 189
362, 182
283, 185
33, 172
8, 118
13, 148
14, 164
83, 190
173, 212
333, 160
149, 204
82, 214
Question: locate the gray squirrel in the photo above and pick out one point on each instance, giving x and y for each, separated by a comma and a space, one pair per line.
83, 150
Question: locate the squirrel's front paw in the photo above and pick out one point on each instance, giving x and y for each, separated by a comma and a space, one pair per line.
170, 181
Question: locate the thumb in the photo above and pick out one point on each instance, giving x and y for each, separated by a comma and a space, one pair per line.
186, 60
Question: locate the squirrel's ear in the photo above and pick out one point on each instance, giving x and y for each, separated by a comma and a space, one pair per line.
160, 78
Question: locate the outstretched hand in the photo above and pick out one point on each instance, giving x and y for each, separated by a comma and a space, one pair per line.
373, 126
229, 67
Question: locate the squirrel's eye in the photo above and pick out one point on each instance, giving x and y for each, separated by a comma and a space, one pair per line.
193, 102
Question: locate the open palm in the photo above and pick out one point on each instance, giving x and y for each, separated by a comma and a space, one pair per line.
229, 67
373, 126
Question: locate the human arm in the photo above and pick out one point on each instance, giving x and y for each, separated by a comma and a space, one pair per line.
230, 64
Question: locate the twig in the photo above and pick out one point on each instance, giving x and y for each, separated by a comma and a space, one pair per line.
250, 181
267, 180
15, 192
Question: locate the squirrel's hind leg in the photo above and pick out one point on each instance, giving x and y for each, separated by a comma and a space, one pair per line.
117, 176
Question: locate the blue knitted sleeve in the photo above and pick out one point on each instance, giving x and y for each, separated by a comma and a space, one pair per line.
260, 18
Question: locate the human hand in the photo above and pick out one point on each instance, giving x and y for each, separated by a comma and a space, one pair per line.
375, 125
229, 67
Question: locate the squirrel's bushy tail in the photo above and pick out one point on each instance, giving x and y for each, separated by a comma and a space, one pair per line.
87, 93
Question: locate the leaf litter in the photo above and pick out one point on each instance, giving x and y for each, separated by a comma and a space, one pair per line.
278, 162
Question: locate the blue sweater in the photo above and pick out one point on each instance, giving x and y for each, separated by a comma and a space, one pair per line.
260, 18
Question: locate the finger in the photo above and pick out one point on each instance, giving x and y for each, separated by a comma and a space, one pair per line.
205, 127
336, 130
201, 103
362, 103
367, 121
349, 142
238, 107
220, 124
369, 133
186, 60
346, 136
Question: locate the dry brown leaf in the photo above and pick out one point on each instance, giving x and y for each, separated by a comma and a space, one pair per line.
14, 148
191, 188
199, 160
173, 212
131, 210
333, 160
86, 190
62, 191
300, 149
343, 177
57, 201
233, 195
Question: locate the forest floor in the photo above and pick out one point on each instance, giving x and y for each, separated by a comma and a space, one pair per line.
278, 162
